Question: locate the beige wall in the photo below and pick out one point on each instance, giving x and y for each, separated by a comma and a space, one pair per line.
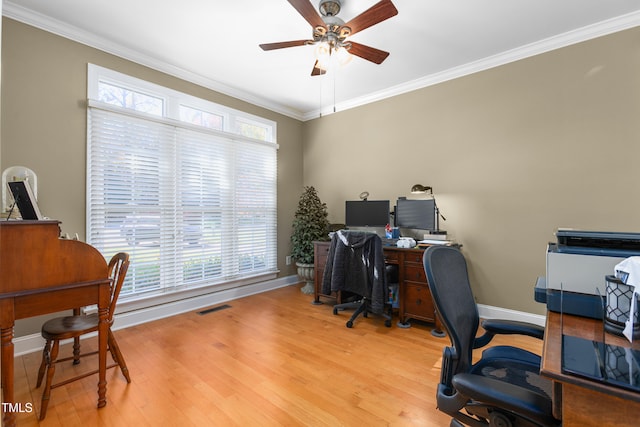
44, 125
512, 153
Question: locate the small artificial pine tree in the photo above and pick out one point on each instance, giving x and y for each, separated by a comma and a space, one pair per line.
310, 223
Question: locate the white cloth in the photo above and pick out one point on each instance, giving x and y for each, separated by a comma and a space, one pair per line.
406, 242
628, 271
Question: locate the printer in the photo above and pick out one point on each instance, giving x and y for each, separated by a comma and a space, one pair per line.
577, 264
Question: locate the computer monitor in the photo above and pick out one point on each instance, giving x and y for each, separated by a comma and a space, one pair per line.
366, 213
418, 214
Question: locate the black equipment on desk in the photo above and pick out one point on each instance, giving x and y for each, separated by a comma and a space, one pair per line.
418, 214
366, 213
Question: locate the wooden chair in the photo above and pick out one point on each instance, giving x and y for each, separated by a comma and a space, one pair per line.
62, 328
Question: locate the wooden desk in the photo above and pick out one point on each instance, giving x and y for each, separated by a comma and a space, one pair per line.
414, 297
40, 274
579, 401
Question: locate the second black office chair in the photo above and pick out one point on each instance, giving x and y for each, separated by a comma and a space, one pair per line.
355, 265
504, 387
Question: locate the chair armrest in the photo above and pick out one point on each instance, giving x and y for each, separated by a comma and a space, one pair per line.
495, 327
511, 327
449, 364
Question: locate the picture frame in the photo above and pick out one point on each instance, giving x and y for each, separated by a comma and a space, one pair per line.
25, 200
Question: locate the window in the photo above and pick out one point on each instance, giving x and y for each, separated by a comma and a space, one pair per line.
191, 198
201, 118
122, 97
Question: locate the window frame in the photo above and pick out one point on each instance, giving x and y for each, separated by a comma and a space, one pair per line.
172, 101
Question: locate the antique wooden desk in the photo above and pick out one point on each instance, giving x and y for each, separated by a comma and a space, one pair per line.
579, 401
414, 297
41, 273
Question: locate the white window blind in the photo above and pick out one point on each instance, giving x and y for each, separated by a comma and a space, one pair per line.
193, 207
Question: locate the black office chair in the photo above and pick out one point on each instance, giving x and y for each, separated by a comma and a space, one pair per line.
504, 387
355, 266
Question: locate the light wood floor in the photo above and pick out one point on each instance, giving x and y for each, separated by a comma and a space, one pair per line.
272, 359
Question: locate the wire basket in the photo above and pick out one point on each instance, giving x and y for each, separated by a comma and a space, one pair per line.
618, 307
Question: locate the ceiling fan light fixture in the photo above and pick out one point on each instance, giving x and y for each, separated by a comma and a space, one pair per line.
343, 57
330, 56
323, 55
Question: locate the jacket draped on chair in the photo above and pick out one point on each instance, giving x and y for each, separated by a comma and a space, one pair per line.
355, 264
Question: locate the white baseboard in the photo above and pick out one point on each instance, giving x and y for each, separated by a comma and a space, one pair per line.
491, 312
34, 342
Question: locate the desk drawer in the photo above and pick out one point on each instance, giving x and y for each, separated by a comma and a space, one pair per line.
391, 257
415, 273
418, 302
414, 256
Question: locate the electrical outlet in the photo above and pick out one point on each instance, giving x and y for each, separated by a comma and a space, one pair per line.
287, 260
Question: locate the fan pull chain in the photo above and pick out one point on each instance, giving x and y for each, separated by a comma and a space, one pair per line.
334, 90
321, 80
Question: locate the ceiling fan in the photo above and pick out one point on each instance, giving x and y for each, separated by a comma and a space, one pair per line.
330, 33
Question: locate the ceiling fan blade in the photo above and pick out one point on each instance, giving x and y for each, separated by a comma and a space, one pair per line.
281, 45
377, 13
308, 12
369, 53
317, 71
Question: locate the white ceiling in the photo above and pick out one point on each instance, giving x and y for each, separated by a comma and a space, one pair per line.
215, 43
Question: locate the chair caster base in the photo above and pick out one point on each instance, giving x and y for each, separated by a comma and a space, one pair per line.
314, 302
499, 420
438, 333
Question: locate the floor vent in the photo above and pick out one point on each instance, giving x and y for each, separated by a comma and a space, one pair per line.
211, 310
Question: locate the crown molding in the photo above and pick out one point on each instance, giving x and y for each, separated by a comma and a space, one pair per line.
579, 35
46, 23
59, 28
